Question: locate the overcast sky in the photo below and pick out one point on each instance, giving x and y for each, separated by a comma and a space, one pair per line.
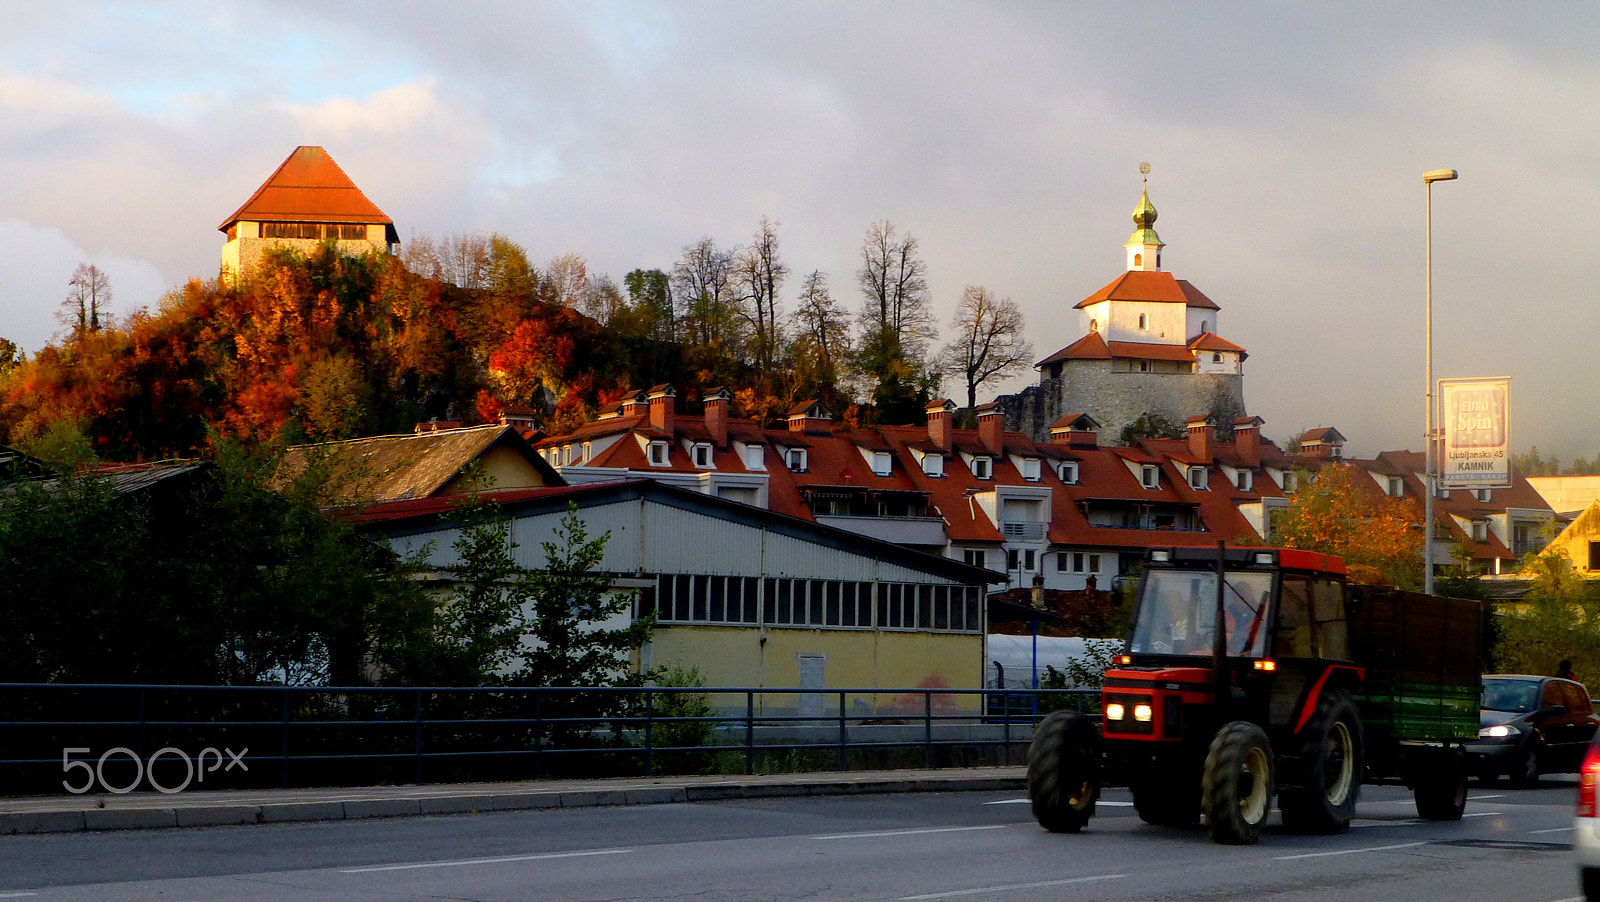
1287, 148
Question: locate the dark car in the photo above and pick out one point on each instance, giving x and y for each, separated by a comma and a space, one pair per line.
1531, 725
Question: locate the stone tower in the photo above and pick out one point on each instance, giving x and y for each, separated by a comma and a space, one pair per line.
1150, 346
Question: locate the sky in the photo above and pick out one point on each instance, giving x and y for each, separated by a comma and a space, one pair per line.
1286, 141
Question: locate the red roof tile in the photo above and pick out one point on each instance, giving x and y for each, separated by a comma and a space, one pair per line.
308, 187
1139, 285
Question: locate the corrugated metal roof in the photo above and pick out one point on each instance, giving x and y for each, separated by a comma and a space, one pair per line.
402, 467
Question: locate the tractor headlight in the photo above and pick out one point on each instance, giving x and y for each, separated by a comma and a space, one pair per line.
1141, 713
1115, 711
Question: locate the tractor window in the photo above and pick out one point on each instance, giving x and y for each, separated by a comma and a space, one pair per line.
1294, 620
1328, 612
1177, 610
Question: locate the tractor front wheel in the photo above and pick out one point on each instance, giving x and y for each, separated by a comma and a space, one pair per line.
1237, 789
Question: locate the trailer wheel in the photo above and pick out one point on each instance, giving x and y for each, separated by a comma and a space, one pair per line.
1329, 769
1237, 791
1441, 790
1063, 772
1168, 798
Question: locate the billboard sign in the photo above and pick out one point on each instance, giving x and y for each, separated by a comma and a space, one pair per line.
1475, 420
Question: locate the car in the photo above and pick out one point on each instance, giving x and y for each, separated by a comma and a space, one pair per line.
1531, 725
1586, 823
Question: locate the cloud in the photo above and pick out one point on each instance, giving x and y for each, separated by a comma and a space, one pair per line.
35, 266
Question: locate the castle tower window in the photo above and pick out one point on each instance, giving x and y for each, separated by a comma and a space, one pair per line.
1144, 323
1138, 259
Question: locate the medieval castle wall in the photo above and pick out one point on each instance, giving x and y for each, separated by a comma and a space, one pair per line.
1117, 399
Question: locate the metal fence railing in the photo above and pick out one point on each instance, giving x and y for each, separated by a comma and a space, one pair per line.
75, 738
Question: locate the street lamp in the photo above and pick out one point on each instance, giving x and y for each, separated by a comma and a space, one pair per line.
1428, 178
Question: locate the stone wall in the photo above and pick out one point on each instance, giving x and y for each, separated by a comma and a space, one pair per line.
1117, 399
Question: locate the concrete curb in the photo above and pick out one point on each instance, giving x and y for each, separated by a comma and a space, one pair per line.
214, 813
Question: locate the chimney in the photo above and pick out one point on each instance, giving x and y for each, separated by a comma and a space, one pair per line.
990, 424
940, 413
717, 414
1247, 439
631, 405
1075, 429
1200, 437
661, 401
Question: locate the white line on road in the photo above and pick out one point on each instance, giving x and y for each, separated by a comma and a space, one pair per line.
1001, 889
1404, 845
1097, 802
1553, 830
1407, 823
16, 895
471, 861
910, 832
1481, 798
1484, 814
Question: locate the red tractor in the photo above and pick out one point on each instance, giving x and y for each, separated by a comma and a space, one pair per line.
1259, 673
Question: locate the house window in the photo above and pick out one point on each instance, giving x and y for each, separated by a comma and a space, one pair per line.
1094, 563
1480, 531
1289, 482
588, 451
882, 463
1216, 356
753, 458
1144, 366
1247, 480
566, 455
1061, 562
1150, 476
1068, 472
1030, 469
1397, 487
1197, 478
658, 454
1020, 559
975, 557
1484, 495
933, 464
795, 459
702, 456
982, 468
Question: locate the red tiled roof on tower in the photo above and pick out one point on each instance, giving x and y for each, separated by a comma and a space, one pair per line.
309, 186
1154, 285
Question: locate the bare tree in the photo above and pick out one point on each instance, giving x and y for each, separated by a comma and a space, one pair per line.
760, 273
989, 343
821, 339
702, 280
88, 291
566, 279
896, 324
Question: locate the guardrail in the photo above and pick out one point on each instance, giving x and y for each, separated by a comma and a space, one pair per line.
120, 738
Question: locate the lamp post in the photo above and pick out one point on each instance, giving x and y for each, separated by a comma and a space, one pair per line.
1428, 178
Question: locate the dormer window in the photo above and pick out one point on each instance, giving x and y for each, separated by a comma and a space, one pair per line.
566, 455
982, 468
882, 463
1030, 469
1068, 471
1483, 495
1289, 482
702, 456
1197, 478
1247, 480
1150, 476
588, 451
658, 454
933, 464
1480, 531
795, 459
753, 458
1397, 487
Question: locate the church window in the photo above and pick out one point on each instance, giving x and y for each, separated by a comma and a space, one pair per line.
1094, 325
1138, 259
1144, 323
1205, 326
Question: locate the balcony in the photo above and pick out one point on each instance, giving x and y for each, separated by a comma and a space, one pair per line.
1024, 530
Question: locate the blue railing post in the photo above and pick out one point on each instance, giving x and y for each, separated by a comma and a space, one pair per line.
749, 731
538, 734
844, 737
284, 781
649, 721
417, 747
927, 729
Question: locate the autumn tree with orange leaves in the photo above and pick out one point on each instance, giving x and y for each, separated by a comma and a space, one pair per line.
1336, 514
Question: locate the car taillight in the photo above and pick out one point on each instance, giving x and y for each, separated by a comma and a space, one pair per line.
1587, 778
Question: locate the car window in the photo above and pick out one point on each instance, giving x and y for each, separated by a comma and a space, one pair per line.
1575, 697
1509, 695
1552, 695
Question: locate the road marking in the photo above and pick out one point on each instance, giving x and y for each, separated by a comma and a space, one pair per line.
1097, 802
471, 861
1484, 814
1554, 830
16, 895
1482, 798
911, 832
1404, 845
1008, 887
1406, 823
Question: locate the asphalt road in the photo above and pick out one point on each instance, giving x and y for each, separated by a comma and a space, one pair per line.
1513, 845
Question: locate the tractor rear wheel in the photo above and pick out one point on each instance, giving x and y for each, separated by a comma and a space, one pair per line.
1237, 789
1063, 772
1329, 769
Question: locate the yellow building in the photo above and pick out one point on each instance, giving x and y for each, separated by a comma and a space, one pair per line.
307, 201
1580, 542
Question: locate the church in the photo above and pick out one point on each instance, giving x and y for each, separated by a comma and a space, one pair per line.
1151, 345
